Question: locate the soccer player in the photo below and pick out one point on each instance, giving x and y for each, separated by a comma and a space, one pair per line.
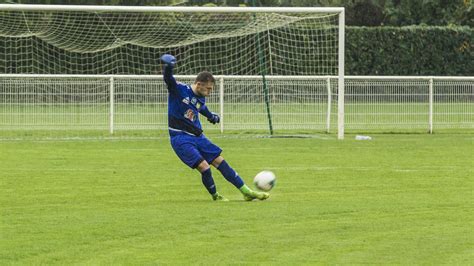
185, 103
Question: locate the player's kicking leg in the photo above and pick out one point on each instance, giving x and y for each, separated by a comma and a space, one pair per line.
231, 176
250, 195
184, 147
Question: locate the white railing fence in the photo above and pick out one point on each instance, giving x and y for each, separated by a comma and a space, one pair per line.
297, 104
401, 104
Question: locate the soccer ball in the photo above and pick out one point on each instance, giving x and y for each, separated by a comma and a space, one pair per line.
265, 180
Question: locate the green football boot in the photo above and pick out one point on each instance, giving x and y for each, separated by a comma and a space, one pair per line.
250, 195
219, 197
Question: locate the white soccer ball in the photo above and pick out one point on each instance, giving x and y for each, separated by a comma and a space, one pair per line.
265, 180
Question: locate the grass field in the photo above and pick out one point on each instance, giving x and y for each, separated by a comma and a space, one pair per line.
398, 199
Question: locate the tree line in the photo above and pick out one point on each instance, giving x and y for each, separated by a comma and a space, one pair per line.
358, 12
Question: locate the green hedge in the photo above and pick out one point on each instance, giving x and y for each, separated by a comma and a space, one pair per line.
413, 50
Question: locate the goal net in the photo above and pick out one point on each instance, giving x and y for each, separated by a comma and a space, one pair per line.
107, 40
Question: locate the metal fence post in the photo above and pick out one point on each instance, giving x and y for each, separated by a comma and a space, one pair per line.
111, 111
221, 102
328, 113
431, 106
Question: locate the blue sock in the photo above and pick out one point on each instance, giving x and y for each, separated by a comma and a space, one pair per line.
208, 181
230, 174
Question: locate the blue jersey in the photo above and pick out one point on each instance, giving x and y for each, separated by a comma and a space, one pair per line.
183, 106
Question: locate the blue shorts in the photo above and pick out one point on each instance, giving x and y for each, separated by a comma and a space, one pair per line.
193, 150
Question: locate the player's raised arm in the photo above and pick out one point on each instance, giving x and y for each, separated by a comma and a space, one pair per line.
169, 62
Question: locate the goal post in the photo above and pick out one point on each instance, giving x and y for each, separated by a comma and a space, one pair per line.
227, 41
340, 76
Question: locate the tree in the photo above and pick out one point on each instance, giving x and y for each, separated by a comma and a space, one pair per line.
429, 12
358, 12
365, 13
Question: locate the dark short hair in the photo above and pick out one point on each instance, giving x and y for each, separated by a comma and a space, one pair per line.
205, 77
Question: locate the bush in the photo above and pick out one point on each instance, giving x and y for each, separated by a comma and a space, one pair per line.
414, 50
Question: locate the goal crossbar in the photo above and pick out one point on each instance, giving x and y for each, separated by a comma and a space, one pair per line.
250, 77
148, 9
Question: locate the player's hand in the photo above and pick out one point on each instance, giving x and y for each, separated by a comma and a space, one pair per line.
168, 60
214, 119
